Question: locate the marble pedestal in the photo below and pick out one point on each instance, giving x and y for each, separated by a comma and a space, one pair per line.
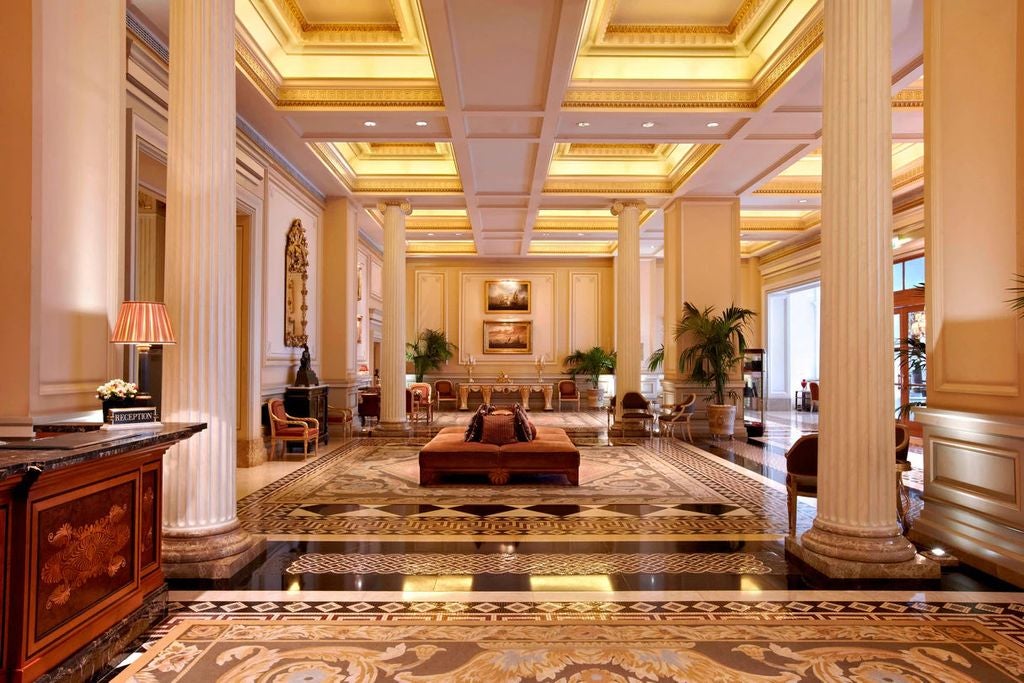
834, 568
201, 555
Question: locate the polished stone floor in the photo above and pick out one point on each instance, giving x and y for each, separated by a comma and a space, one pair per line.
659, 530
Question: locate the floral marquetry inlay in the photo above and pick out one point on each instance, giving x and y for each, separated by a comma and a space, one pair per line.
86, 552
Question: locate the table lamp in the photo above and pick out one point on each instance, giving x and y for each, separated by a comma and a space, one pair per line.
142, 324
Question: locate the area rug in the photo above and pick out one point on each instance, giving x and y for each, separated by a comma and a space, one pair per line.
369, 487
856, 649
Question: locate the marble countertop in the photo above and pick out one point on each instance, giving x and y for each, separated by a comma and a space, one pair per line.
18, 457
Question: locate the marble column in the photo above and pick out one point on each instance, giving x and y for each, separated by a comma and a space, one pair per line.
202, 536
855, 532
627, 301
392, 372
672, 264
338, 324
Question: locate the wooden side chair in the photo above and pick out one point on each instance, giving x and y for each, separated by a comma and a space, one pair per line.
444, 392
340, 416
285, 428
636, 407
568, 392
681, 415
814, 396
422, 401
801, 474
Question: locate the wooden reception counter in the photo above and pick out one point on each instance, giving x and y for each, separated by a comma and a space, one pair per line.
80, 522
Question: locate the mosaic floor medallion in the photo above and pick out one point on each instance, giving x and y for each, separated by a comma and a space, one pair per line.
370, 487
855, 649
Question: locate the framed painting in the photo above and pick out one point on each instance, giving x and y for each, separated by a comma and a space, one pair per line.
507, 296
509, 336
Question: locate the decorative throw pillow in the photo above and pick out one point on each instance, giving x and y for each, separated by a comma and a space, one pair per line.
533, 429
499, 429
522, 424
476, 423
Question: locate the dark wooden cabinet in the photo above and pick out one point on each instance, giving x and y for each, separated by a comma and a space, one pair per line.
308, 402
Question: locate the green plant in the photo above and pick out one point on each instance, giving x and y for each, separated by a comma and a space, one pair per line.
912, 355
591, 363
430, 351
716, 345
1017, 302
656, 359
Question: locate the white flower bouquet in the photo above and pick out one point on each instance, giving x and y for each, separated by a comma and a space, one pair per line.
116, 389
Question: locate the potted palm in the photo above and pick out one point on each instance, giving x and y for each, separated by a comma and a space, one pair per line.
591, 363
429, 352
656, 359
716, 346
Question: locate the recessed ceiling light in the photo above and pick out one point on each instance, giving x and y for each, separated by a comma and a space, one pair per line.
421, 123
369, 124
712, 124
458, 234
579, 234
648, 124
801, 201
430, 234
583, 124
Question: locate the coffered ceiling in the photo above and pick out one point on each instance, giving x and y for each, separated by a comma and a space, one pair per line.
511, 126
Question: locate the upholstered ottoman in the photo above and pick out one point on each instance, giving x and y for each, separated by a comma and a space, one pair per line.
552, 452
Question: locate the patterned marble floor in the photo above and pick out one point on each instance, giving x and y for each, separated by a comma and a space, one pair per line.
660, 535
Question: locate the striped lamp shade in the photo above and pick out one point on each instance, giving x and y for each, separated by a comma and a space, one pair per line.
142, 322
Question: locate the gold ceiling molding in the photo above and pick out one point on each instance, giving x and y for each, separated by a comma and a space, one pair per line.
561, 247
784, 186
680, 35
769, 225
908, 98
346, 32
612, 149
440, 247
336, 164
438, 224
749, 97
284, 96
694, 159
401, 149
909, 176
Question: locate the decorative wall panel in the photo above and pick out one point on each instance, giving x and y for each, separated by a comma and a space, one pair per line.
585, 307
431, 302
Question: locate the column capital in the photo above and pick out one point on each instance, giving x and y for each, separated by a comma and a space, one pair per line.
403, 205
620, 206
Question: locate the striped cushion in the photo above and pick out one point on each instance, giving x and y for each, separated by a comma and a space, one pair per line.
522, 424
498, 429
476, 423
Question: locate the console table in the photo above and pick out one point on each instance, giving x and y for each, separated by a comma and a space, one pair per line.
80, 524
486, 390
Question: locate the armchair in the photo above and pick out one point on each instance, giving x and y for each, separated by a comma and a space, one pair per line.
680, 416
285, 428
422, 403
369, 406
340, 416
444, 390
568, 392
636, 407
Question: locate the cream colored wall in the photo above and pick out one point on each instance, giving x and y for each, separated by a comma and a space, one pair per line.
572, 307
750, 297
370, 273
16, 135
77, 183
975, 220
285, 203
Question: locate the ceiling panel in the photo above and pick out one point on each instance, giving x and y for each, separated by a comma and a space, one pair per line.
503, 51
502, 166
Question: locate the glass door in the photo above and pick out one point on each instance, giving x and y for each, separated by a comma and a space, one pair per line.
911, 376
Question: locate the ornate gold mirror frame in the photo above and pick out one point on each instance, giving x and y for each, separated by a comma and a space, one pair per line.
296, 265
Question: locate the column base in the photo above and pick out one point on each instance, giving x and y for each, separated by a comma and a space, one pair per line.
840, 556
629, 430
252, 453
392, 429
205, 555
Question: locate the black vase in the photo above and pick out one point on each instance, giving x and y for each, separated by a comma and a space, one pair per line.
109, 403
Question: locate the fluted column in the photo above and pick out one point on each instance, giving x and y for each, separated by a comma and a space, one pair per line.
627, 301
392, 372
855, 532
202, 536
673, 293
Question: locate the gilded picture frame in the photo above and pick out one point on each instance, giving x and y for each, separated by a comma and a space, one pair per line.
508, 336
507, 296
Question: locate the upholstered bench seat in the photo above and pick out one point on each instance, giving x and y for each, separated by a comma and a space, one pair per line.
552, 452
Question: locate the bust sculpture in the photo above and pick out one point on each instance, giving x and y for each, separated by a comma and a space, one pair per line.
304, 376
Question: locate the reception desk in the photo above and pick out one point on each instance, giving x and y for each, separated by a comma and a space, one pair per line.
80, 524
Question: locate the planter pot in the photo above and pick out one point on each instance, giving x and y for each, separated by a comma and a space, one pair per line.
595, 397
721, 419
